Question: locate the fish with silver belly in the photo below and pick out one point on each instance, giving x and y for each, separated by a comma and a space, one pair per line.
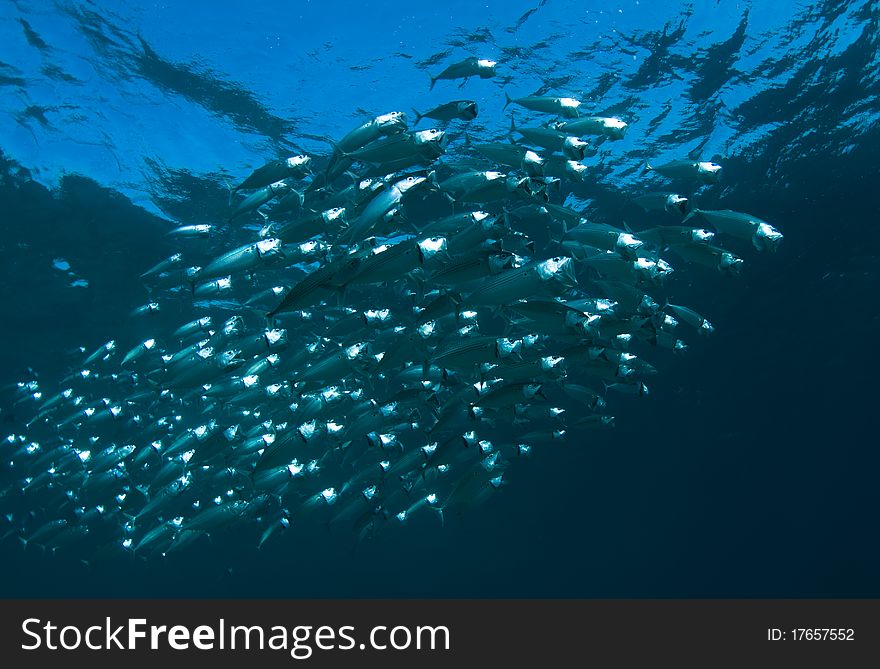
570, 146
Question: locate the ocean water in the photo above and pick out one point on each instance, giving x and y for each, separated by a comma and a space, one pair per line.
750, 469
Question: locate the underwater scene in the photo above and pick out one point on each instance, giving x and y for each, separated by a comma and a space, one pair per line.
540, 299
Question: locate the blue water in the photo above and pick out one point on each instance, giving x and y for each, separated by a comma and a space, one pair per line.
751, 468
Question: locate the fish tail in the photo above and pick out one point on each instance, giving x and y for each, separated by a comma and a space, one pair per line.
232, 191
648, 167
433, 81
507, 100
419, 117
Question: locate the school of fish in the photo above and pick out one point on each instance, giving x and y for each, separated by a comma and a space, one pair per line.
374, 336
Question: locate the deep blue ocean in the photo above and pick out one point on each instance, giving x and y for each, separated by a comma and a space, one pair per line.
750, 470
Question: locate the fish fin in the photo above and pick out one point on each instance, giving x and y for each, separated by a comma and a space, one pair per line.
507, 100
505, 218
336, 148
232, 191
691, 215
317, 183
340, 295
